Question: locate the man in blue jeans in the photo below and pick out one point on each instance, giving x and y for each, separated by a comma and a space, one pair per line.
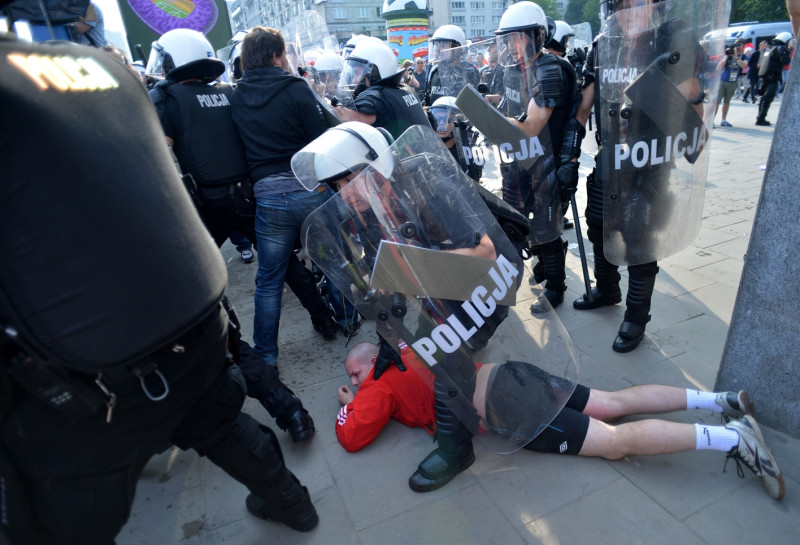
276, 114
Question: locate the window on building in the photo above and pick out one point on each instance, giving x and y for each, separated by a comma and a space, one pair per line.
339, 13
498, 5
363, 13
476, 5
457, 19
476, 19
560, 6
456, 5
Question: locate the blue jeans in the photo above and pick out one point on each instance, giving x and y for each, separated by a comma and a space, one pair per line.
278, 222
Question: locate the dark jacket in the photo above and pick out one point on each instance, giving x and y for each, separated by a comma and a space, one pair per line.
276, 114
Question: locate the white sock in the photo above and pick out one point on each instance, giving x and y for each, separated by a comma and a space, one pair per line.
703, 401
715, 438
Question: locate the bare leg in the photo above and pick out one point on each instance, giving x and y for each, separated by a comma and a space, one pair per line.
646, 399
646, 437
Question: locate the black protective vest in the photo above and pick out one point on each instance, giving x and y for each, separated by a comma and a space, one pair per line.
103, 257
405, 111
208, 147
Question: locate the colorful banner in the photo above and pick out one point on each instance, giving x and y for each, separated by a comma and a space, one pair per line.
146, 20
407, 37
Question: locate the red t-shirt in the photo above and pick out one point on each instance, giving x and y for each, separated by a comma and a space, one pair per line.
405, 396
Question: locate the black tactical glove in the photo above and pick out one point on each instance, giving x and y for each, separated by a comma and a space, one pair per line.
386, 357
567, 175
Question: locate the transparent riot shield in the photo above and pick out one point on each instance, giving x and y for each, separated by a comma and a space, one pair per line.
307, 42
415, 248
528, 166
583, 35
654, 126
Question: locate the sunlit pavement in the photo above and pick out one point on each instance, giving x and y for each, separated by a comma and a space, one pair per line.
524, 497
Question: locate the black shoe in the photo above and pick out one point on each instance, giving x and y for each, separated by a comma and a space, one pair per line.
327, 328
302, 516
629, 336
608, 297
300, 425
763, 123
439, 468
568, 224
554, 297
354, 325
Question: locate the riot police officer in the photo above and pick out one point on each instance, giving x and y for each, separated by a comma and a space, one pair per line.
194, 110
379, 96
624, 220
451, 71
110, 355
456, 133
772, 63
540, 96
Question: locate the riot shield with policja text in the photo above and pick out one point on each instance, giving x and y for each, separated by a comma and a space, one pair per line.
654, 126
406, 240
531, 185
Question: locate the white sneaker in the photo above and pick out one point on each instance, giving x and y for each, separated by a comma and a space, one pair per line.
752, 451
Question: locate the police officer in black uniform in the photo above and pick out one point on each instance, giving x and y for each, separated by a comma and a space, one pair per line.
641, 277
452, 72
379, 97
194, 110
106, 357
772, 63
540, 93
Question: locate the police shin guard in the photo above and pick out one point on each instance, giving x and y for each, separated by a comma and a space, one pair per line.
553, 259
250, 453
607, 290
453, 455
280, 402
642, 279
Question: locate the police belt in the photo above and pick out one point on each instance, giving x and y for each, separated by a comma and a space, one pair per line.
79, 394
213, 192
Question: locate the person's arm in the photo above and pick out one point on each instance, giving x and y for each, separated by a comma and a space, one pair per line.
309, 111
586, 105
485, 248
360, 421
793, 7
536, 119
346, 114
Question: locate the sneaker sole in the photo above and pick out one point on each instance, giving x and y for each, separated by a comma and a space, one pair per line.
757, 431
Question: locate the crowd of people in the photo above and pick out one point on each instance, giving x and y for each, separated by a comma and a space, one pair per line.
110, 360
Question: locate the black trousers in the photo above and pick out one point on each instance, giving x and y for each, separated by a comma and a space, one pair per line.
74, 483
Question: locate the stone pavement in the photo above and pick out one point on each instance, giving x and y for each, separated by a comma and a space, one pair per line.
522, 498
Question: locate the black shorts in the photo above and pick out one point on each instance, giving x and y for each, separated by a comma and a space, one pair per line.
521, 396
566, 433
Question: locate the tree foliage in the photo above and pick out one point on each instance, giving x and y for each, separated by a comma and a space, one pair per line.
763, 11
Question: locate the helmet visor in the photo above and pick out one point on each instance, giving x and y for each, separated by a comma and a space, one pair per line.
355, 70
441, 50
156, 63
512, 48
445, 119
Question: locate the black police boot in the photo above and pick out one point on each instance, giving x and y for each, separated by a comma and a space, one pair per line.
637, 313
289, 503
538, 274
299, 424
453, 455
553, 259
325, 326
607, 291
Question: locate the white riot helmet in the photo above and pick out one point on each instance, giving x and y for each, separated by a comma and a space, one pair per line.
181, 54
783, 38
560, 39
371, 58
341, 150
446, 37
522, 18
351, 44
445, 113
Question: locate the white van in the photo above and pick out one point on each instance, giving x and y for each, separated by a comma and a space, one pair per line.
754, 32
